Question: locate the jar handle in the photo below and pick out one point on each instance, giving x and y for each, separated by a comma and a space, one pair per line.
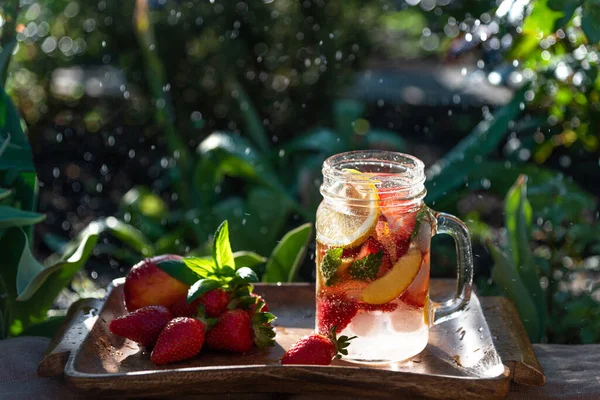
454, 227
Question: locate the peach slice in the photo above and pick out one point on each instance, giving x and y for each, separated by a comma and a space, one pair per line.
395, 282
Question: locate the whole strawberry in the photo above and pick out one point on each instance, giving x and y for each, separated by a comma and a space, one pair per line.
233, 332
181, 339
143, 325
215, 302
317, 349
181, 308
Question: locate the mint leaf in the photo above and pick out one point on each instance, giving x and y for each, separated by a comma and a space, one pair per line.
247, 275
422, 214
331, 262
367, 267
222, 253
201, 287
203, 267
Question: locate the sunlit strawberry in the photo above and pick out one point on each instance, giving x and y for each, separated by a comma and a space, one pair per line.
316, 349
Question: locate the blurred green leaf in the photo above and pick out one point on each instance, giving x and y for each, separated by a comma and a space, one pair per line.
317, 140
10, 216
451, 171
4, 193
590, 20
505, 275
5, 55
253, 123
345, 112
541, 20
141, 200
4, 142
248, 259
384, 140
222, 253
47, 328
518, 216
10, 123
225, 154
285, 259
568, 8
32, 276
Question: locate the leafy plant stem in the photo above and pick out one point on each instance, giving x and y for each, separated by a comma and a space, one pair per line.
165, 115
8, 30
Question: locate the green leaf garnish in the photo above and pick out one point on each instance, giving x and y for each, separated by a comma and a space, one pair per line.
367, 267
202, 266
247, 275
222, 253
422, 215
201, 287
331, 262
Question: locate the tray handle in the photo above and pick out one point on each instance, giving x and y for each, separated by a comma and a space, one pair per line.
80, 318
512, 342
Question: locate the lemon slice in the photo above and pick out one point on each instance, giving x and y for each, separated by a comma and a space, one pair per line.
395, 282
343, 224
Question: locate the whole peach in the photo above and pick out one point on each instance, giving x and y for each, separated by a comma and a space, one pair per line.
148, 285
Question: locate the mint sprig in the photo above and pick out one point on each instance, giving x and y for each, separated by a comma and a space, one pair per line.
366, 268
330, 264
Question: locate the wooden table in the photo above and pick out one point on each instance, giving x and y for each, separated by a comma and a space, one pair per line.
572, 372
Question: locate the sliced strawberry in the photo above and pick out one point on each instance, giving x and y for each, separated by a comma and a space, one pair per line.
387, 307
351, 252
400, 217
334, 310
370, 246
384, 236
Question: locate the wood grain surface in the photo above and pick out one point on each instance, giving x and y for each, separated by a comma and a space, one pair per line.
102, 363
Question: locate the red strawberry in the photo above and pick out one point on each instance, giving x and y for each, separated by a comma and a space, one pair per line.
335, 310
316, 349
370, 246
233, 332
143, 325
351, 252
387, 307
401, 219
181, 339
182, 308
215, 302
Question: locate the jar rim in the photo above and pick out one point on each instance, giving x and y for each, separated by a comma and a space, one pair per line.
399, 173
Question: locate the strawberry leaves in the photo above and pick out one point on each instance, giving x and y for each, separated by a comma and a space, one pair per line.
331, 263
340, 343
261, 326
366, 268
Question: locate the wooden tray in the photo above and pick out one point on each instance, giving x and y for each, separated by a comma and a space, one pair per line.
467, 357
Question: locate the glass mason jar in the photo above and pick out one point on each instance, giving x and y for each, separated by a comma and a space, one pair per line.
372, 256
